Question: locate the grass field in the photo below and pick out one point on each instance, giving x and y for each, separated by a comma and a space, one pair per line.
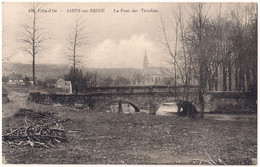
110, 138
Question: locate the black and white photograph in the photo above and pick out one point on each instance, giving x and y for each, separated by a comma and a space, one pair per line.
129, 83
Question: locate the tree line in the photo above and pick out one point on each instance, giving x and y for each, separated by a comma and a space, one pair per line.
92, 79
209, 49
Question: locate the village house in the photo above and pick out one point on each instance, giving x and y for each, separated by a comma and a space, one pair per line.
15, 79
29, 80
63, 86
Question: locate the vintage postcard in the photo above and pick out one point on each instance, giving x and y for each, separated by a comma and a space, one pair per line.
129, 83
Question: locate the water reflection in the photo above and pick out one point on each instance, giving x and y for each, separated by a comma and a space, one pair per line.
167, 109
126, 108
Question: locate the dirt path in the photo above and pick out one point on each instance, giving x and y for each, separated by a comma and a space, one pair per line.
18, 100
231, 117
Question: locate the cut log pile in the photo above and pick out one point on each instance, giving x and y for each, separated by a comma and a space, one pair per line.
43, 130
35, 136
32, 114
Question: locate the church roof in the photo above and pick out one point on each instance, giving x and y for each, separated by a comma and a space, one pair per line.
145, 63
153, 71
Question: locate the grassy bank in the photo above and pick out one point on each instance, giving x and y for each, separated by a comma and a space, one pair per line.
110, 138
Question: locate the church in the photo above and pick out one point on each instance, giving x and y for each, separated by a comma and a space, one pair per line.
152, 75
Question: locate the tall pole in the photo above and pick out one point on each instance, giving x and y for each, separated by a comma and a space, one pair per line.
201, 64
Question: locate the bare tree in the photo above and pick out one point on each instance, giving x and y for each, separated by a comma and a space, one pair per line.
186, 59
171, 48
243, 36
200, 46
77, 39
175, 45
5, 56
5, 60
32, 36
198, 43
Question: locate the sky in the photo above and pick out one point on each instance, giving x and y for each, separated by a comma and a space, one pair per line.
115, 39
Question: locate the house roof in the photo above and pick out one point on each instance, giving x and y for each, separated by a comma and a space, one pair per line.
62, 81
68, 82
16, 76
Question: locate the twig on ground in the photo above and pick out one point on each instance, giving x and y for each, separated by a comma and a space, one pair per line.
15, 130
222, 161
41, 144
214, 163
202, 160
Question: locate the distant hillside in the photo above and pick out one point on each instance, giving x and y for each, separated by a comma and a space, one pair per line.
49, 71
113, 72
43, 71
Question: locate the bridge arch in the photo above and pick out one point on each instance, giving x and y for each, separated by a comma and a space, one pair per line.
161, 102
107, 104
181, 104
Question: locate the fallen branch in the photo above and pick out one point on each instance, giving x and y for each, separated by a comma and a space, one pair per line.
223, 162
10, 133
203, 160
214, 163
41, 144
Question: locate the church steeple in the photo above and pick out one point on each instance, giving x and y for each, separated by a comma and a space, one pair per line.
145, 64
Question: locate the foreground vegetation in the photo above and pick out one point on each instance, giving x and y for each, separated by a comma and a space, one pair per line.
110, 138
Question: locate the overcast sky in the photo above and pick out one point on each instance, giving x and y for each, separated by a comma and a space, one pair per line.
116, 39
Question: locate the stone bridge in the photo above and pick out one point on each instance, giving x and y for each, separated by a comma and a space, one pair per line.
101, 98
146, 101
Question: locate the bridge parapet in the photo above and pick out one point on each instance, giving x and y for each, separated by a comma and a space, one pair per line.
230, 102
136, 89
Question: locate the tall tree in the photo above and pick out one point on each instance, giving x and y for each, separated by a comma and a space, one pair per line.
170, 46
174, 43
77, 39
81, 79
198, 43
32, 36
